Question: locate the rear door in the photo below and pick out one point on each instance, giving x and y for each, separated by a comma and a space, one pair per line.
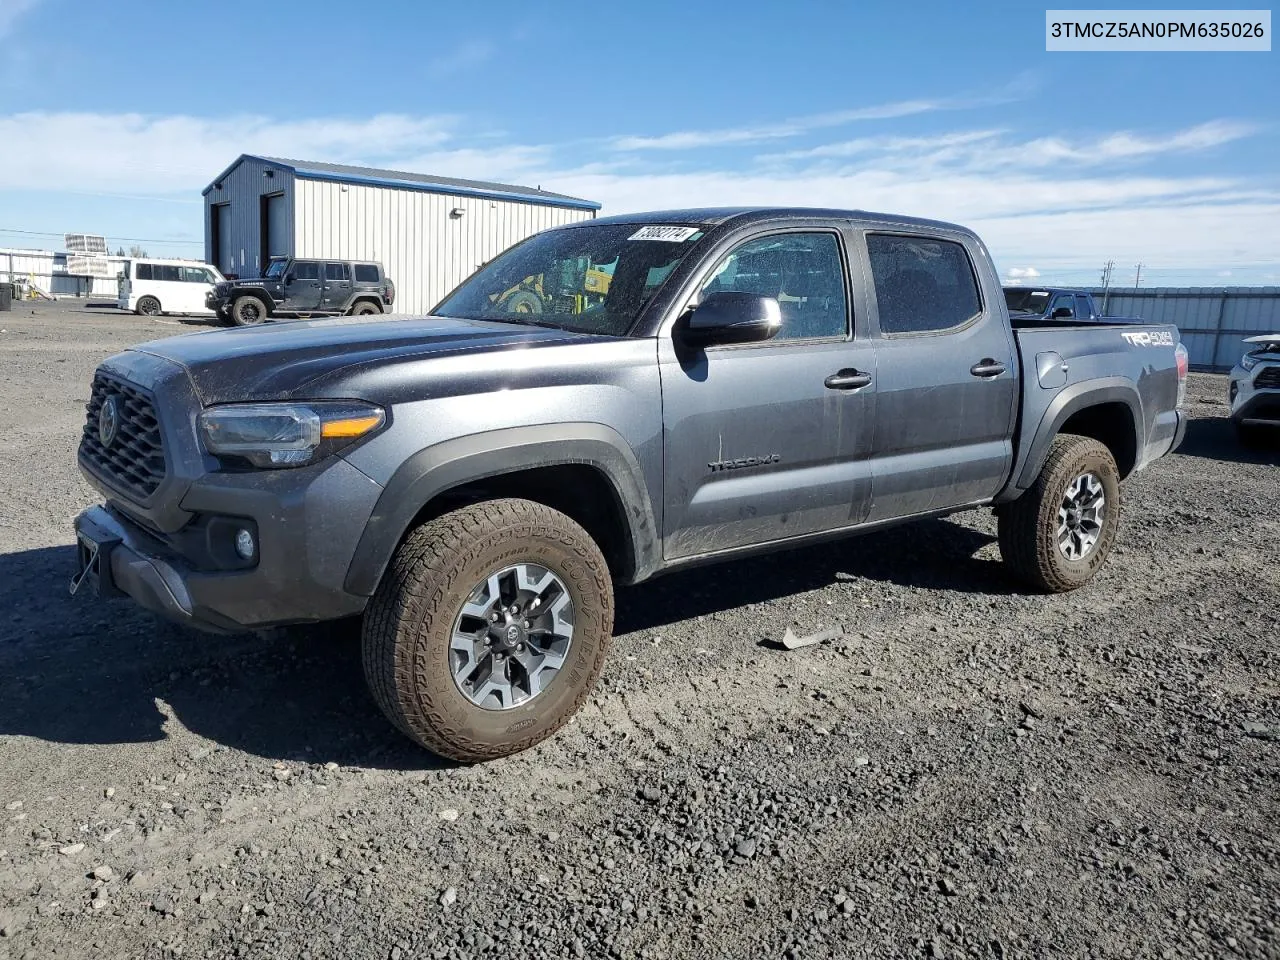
770, 441
305, 287
337, 287
946, 387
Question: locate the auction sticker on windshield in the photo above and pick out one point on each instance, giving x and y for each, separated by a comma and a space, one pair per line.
669, 234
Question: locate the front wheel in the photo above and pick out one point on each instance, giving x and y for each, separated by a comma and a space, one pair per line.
489, 629
1057, 535
248, 312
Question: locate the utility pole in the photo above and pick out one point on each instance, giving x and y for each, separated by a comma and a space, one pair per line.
1106, 283
1137, 277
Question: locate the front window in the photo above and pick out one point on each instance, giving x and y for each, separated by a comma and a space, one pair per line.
590, 279
1026, 301
275, 269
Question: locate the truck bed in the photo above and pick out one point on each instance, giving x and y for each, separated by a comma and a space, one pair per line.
1132, 366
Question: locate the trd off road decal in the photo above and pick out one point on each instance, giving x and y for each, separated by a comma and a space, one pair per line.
1150, 338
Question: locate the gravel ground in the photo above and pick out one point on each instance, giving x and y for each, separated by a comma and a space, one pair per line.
969, 772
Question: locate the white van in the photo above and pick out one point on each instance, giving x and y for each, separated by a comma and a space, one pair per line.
153, 287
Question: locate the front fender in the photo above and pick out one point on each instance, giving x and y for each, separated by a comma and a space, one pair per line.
444, 466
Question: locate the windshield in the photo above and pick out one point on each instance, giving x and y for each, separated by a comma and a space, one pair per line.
1026, 301
275, 269
590, 279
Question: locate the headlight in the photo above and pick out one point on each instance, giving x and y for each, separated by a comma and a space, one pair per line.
1248, 362
277, 435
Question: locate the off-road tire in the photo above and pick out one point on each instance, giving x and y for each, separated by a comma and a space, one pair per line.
148, 307
241, 311
364, 308
410, 618
1028, 526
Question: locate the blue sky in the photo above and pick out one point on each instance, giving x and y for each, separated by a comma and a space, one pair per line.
114, 116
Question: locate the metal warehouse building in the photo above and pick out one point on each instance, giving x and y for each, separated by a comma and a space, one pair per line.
429, 233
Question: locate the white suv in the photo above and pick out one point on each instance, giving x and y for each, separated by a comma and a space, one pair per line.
153, 287
1255, 388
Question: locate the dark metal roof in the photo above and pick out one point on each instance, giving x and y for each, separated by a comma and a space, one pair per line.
404, 180
714, 216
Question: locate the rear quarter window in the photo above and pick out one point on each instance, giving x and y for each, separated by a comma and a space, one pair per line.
143, 271
366, 273
922, 284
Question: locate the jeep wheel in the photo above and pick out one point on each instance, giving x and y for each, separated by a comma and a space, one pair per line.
1057, 534
148, 307
489, 629
248, 311
364, 308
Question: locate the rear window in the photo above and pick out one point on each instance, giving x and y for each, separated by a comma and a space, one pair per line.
366, 273
167, 272
335, 271
922, 285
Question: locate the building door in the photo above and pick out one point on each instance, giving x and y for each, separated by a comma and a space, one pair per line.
275, 228
220, 226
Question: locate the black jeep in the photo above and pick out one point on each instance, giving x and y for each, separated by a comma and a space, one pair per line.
303, 288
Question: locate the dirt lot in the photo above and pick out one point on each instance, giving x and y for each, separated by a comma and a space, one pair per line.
970, 772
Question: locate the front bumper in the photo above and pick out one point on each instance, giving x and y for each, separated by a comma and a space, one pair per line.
307, 521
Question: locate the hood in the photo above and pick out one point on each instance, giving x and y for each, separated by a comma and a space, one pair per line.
311, 359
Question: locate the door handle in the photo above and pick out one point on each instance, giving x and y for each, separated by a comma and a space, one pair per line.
848, 379
987, 368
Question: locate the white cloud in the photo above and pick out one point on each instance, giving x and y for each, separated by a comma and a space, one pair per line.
1022, 273
10, 11
1031, 201
730, 136
135, 153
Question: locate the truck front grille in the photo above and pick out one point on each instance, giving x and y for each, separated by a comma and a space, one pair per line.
133, 459
1268, 378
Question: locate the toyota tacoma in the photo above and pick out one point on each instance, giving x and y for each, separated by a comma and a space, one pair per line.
473, 484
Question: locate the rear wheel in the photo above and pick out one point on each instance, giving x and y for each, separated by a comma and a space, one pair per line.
149, 307
248, 311
489, 629
1057, 535
364, 308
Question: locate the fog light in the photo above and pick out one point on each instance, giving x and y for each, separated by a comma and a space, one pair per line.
245, 547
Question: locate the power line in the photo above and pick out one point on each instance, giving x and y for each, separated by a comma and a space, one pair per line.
37, 233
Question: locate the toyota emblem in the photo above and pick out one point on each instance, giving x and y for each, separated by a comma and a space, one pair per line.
108, 422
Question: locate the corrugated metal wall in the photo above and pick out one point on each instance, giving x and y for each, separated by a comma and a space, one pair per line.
243, 187
47, 269
426, 251
1213, 320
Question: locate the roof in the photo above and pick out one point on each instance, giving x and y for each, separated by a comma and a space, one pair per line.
714, 216
404, 180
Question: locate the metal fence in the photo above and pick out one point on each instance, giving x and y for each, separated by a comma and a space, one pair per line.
1213, 320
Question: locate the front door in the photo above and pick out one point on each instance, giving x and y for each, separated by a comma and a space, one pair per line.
303, 288
337, 287
946, 393
769, 441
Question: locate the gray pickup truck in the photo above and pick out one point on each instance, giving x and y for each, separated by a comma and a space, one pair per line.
667, 389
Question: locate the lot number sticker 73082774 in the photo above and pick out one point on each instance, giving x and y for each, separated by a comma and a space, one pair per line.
668, 234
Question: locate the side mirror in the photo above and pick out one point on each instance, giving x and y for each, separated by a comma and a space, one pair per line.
730, 317
1062, 313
